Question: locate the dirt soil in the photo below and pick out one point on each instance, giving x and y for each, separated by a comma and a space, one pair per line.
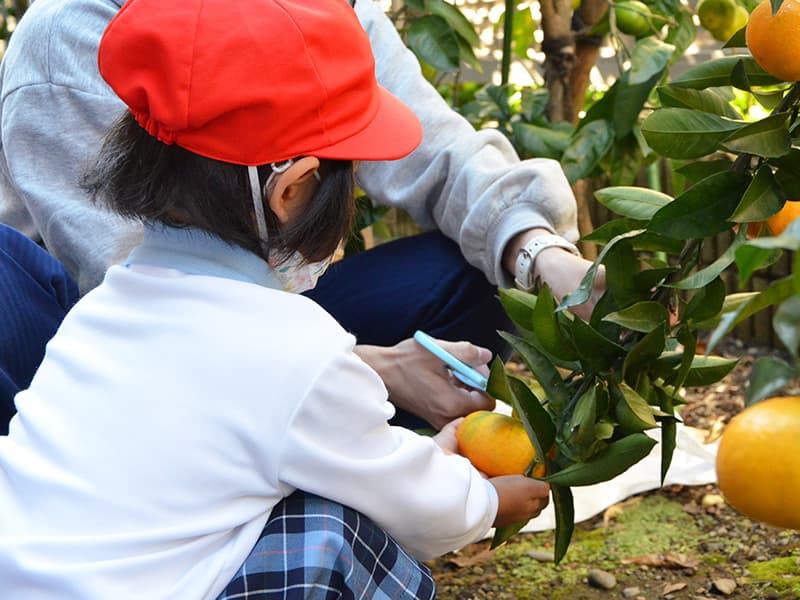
678, 542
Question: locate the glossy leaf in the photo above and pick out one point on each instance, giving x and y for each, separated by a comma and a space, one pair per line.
642, 316
434, 42
649, 58
700, 169
685, 133
629, 101
702, 210
705, 276
706, 302
589, 144
596, 352
613, 460
710, 101
543, 142
534, 102
768, 137
519, 306
786, 324
762, 198
543, 370
768, 376
633, 202
584, 290
643, 353
718, 72
632, 411
455, 19
564, 509
545, 323
706, 370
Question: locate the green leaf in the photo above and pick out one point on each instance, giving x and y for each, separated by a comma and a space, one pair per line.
632, 202
669, 431
788, 172
534, 102
718, 72
519, 306
768, 137
545, 323
706, 370
620, 262
455, 19
497, 386
610, 229
596, 352
565, 519
786, 323
589, 144
434, 42
540, 142
579, 427
538, 424
769, 374
543, 370
633, 413
629, 100
775, 293
582, 294
702, 210
698, 170
762, 199
642, 316
709, 100
705, 276
613, 460
706, 302
646, 350
649, 58
731, 303
505, 533
686, 133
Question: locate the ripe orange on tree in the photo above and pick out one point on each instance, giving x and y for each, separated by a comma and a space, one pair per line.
781, 219
497, 444
758, 462
774, 40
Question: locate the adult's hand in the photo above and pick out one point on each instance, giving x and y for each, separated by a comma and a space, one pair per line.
421, 384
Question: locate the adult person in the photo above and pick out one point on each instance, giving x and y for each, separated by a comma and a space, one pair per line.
483, 205
122, 476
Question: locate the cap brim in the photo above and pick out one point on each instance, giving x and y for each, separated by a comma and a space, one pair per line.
394, 132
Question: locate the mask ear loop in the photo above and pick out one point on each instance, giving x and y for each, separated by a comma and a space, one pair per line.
258, 193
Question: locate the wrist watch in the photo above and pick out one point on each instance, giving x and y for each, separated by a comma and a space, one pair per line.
526, 258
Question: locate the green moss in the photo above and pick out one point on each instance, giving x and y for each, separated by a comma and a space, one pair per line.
783, 574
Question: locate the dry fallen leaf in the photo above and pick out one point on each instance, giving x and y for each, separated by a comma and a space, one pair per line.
724, 585
668, 560
673, 587
613, 511
462, 561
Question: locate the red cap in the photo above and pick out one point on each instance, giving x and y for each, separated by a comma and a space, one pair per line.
255, 82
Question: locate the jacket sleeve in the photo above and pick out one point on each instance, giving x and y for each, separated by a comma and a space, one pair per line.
340, 446
469, 184
55, 111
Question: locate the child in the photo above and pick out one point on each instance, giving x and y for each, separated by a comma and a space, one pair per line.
184, 402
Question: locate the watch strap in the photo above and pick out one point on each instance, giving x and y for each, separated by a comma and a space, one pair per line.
526, 258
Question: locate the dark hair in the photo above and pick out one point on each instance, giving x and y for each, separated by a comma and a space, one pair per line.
142, 178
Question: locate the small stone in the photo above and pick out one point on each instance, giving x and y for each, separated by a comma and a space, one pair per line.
541, 555
724, 585
630, 592
710, 500
601, 579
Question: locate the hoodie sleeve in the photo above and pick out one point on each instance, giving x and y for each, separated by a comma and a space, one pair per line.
469, 184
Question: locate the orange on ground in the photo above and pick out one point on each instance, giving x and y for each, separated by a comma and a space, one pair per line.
758, 462
774, 40
497, 444
781, 219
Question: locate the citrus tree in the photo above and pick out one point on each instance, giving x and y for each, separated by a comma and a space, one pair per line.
600, 384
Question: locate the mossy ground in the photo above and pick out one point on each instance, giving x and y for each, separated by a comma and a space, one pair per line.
688, 547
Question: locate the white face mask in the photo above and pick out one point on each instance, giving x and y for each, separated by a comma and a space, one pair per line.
294, 273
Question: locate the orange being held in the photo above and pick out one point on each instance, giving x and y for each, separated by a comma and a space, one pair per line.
774, 40
497, 444
758, 462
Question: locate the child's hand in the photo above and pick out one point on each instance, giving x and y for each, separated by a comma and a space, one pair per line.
446, 438
520, 498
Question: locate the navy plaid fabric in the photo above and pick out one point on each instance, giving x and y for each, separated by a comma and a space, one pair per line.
317, 549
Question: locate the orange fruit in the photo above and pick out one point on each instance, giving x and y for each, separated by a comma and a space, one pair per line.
497, 444
758, 462
781, 219
739, 20
774, 40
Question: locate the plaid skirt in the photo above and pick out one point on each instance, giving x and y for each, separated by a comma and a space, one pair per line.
317, 549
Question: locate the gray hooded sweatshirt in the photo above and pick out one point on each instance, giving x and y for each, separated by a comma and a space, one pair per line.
55, 109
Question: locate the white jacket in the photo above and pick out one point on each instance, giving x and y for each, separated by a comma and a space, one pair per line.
177, 404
